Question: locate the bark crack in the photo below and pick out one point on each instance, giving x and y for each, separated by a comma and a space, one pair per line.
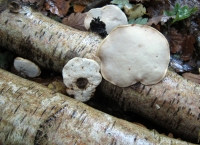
42, 131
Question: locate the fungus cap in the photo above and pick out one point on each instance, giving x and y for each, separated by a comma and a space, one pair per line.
111, 15
134, 53
81, 77
26, 67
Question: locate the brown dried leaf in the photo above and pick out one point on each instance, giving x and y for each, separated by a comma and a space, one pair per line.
58, 87
188, 47
156, 20
156, 8
78, 8
170, 135
58, 7
183, 44
82, 2
139, 124
33, 1
192, 77
176, 41
75, 20
41, 81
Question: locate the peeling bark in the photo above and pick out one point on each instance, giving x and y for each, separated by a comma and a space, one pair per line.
174, 103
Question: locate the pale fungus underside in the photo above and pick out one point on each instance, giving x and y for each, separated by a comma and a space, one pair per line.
134, 53
81, 77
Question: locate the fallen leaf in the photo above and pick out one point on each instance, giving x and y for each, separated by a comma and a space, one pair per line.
135, 11
170, 135
81, 2
44, 82
188, 47
176, 41
38, 3
180, 12
190, 3
58, 7
155, 8
139, 20
157, 19
139, 124
78, 8
75, 20
121, 3
58, 87
192, 77
34, 1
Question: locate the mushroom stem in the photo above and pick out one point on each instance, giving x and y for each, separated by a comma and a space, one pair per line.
81, 83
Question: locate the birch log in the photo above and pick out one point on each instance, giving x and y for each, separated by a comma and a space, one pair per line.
32, 114
174, 103
49, 43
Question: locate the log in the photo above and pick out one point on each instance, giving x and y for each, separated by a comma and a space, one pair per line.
33, 114
49, 43
173, 103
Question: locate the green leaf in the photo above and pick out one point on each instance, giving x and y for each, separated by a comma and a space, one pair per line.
121, 3
180, 13
139, 20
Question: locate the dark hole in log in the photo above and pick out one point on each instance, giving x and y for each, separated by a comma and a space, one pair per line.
82, 83
14, 7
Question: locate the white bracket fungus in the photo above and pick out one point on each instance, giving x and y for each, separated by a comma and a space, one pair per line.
26, 68
81, 77
134, 53
111, 15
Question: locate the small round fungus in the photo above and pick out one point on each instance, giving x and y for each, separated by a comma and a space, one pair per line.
111, 15
26, 68
134, 53
81, 77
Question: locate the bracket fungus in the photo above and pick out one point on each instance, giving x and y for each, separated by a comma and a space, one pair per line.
26, 68
81, 77
111, 15
134, 53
